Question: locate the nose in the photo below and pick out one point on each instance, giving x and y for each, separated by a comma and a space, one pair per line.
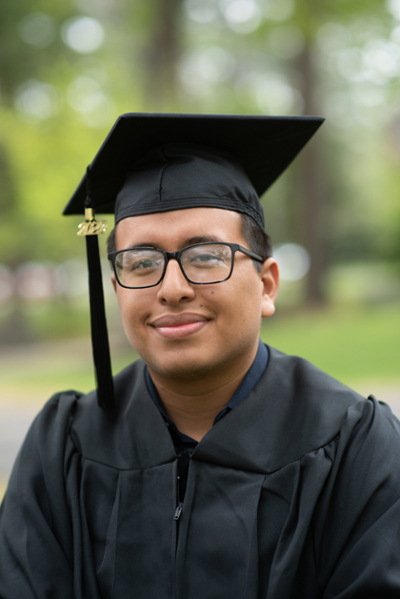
174, 287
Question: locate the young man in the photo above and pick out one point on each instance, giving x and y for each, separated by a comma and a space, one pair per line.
222, 468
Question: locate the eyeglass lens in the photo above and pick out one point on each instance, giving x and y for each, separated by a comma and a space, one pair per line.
208, 263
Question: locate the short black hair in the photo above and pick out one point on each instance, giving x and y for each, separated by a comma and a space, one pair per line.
256, 238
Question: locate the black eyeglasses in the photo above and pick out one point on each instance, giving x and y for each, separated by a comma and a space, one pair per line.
201, 264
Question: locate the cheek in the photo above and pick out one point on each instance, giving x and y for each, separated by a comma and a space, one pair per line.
133, 307
239, 303
248, 303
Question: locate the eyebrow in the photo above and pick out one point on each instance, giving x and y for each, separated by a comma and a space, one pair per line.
190, 241
203, 239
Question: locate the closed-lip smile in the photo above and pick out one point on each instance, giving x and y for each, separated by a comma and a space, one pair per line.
176, 326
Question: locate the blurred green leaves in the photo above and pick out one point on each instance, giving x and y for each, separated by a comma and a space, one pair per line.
67, 69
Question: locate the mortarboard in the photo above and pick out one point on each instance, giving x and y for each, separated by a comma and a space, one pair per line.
160, 162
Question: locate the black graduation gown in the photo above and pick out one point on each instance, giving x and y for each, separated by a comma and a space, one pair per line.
294, 494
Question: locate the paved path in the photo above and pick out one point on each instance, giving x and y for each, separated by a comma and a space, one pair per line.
14, 424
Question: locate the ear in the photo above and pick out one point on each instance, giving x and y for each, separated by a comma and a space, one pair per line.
270, 284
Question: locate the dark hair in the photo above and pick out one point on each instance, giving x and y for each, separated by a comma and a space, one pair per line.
256, 238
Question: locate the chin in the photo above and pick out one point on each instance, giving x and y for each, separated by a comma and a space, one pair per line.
183, 365
181, 370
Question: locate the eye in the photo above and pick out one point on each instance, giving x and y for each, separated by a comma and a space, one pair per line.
212, 256
138, 263
143, 264
204, 257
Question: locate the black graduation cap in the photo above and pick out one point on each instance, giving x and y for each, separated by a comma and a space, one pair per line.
160, 162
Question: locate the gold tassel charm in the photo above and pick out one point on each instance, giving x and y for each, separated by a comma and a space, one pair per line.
91, 226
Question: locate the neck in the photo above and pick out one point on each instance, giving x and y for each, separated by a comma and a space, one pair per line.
193, 405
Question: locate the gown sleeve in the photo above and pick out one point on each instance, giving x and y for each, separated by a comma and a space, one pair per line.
357, 528
35, 529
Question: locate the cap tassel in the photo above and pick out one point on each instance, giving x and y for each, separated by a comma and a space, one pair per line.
100, 344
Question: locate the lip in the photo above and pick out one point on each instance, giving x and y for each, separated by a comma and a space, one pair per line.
177, 326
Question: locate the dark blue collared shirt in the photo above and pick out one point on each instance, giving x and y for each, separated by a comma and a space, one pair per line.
184, 445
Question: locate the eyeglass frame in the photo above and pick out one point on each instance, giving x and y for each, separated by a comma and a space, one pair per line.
235, 247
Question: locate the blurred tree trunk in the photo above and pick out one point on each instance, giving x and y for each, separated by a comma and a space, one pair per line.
163, 54
312, 186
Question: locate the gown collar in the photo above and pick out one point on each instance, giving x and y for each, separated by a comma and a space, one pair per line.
294, 409
250, 380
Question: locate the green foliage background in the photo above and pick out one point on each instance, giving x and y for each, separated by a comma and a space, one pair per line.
207, 56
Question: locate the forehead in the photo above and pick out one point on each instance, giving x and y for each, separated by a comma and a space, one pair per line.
179, 227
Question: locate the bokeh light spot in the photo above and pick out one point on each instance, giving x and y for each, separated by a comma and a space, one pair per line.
35, 281
86, 97
37, 29
383, 59
202, 69
293, 261
72, 278
201, 11
83, 34
83, 94
349, 64
275, 95
242, 16
37, 101
333, 38
395, 35
393, 7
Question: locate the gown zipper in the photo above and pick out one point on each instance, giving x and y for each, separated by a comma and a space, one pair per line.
177, 517
179, 507
178, 511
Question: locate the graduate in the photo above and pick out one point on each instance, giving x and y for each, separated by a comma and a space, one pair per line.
214, 467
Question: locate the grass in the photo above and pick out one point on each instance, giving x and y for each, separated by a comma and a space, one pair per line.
351, 343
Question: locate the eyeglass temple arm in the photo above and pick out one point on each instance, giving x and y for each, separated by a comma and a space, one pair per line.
251, 254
